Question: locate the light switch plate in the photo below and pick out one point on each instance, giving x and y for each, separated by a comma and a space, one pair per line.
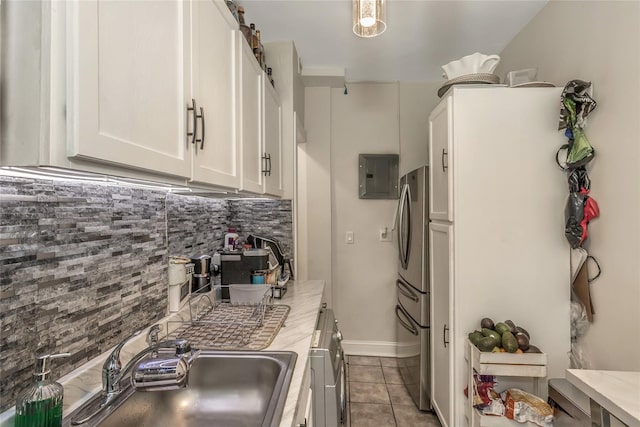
348, 238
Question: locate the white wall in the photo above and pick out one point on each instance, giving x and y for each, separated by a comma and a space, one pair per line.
314, 191
417, 99
599, 41
364, 121
371, 118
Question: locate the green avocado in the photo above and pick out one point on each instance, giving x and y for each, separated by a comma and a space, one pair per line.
491, 333
509, 342
486, 343
475, 336
501, 328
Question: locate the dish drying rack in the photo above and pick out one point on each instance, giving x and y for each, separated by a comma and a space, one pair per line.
223, 325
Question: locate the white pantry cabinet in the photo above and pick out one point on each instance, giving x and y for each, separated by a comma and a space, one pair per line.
440, 248
497, 229
440, 150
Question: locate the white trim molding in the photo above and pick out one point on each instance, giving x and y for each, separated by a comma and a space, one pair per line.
378, 348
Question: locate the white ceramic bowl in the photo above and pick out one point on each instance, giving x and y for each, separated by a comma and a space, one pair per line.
475, 63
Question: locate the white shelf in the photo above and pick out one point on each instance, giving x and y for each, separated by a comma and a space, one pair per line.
507, 364
532, 365
480, 420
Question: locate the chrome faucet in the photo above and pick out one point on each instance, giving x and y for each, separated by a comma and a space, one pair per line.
164, 371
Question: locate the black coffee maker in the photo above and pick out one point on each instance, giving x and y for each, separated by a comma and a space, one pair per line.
266, 242
237, 267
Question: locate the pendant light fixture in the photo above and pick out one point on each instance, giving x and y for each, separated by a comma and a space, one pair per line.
369, 17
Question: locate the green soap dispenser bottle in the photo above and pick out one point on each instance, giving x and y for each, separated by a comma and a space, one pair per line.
41, 404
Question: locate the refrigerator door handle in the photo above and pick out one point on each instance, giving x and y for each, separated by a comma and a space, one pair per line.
403, 193
407, 325
404, 245
405, 290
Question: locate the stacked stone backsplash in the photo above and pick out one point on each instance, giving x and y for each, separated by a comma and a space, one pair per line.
83, 265
264, 218
195, 224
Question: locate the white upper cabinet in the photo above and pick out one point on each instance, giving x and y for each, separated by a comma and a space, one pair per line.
440, 161
251, 120
283, 57
163, 90
128, 82
272, 133
216, 153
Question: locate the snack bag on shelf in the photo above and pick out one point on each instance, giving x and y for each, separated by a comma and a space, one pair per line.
483, 391
496, 407
522, 407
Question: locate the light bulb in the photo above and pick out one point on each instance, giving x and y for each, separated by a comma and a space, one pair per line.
368, 21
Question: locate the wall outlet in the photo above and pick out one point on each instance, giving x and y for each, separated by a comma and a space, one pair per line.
385, 235
348, 238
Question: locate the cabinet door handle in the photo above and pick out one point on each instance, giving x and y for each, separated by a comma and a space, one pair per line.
193, 133
201, 117
445, 166
269, 160
444, 335
266, 170
202, 120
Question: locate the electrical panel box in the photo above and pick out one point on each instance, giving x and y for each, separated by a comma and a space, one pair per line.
378, 175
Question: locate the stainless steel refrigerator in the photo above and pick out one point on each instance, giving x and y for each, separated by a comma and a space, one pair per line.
412, 285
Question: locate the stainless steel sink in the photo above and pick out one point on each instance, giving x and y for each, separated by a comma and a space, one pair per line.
226, 388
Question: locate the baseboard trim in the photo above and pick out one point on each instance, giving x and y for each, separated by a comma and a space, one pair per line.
378, 348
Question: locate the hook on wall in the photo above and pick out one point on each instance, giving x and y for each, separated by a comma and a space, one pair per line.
346, 92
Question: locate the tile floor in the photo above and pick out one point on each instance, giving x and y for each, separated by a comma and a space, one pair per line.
377, 397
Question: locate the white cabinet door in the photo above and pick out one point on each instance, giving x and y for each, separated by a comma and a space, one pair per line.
250, 129
440, 250
272, 140
128, 83
216, 153
441, 161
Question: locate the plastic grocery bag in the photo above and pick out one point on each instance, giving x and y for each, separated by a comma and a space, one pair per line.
580, 209
576, 105
579, 180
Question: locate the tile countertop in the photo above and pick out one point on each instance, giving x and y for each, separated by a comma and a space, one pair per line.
304, 298
616, 391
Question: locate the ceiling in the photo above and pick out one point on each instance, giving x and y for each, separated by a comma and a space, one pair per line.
421, 35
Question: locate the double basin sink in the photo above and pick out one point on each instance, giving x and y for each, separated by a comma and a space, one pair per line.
226, 388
